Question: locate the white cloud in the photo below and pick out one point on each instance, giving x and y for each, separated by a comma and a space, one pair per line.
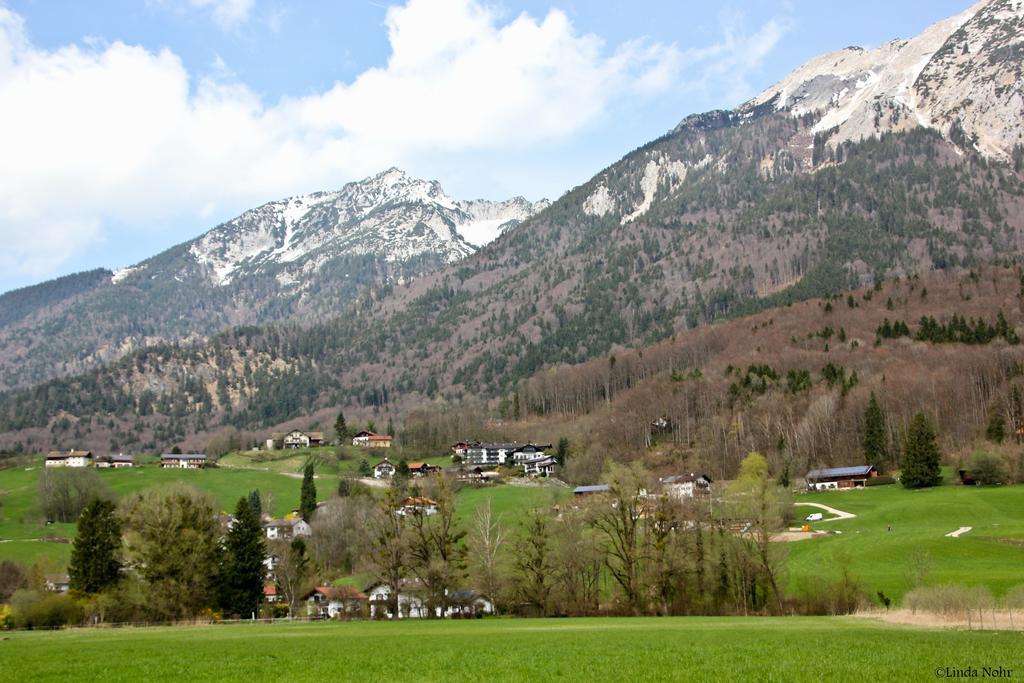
226, 13
107, 133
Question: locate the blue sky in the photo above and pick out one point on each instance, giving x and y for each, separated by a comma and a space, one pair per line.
128, 127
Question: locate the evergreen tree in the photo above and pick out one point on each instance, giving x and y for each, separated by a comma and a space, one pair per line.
996, 430
391, 427
242, 570
365, 469
256, 503
340, 428
94, 556
307, 495
920, 455
562, 452
403, 468
876, 451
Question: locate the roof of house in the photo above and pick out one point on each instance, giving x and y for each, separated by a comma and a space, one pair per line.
421, 501
286, 522
830, 472
183, 456
385, 461
372, 435
54, 455
540, 459
596, 488
269, 590
684, 478
312, 435
123, 457
513, 446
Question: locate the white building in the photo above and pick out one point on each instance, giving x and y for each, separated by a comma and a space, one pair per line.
502, 453
384, 469
71, 458
287, 529
542, 466
682, 486
185, 461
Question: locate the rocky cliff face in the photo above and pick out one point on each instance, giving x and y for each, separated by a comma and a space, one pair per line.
962, 76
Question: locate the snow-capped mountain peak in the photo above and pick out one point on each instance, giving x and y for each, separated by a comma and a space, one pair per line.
391, 215
934, 80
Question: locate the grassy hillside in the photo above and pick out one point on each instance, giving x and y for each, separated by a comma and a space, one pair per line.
990, 554
22, 530
789, 649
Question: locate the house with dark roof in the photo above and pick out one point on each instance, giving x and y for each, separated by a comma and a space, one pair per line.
502, 453
840, 477
680, 486
385, 469
286, 529
117, 461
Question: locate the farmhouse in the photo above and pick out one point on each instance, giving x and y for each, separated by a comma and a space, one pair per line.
287, 529
329, 602
295, 439
460, 448
680, 486
840, 477
71, 458
118, 461
419, 505
384, 469
185, 461
420, 469
371, 440
270, 593
541, 466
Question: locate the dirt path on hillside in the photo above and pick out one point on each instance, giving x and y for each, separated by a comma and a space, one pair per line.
959, 532
839, 514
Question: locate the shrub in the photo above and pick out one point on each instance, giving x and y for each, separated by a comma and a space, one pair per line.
35, 610
987, 469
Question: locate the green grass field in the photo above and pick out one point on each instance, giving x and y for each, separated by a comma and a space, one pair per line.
609, 649
991, 554
21, 527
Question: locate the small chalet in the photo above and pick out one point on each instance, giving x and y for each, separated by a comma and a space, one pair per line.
295, 439
330, 602
460, 448
57, 583
584, 491
680, 486
385, 469
118, 461
468, 603
71, 458
270, 593
541, 466
185, 461
420, 469
371, 440
419, 505
840, 477
410, 606
287, 529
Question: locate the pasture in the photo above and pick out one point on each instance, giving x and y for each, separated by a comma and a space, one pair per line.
990, 554
600, 649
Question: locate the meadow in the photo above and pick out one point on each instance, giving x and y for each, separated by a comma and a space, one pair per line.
990, 554
605, 649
